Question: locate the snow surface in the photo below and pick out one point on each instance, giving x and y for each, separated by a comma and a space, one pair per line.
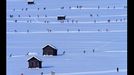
85, 28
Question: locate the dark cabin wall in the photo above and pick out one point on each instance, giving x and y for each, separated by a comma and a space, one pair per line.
34, 63
48, 50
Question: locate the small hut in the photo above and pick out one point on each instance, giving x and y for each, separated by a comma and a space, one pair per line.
50, 50
61, 17
30, 1
34, 62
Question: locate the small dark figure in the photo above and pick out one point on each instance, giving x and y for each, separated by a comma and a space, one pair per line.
44, 8
84, 51
76, 21
114, 7
77, 6
27, 30
67, 20
78, 30
67, 30
62, 7
98, 7
27, 53
91, 15
44, 21
108, 7
63, 52
98, 29
15, 20
13, 9
108, 21
22, 9
45, 15
38, 8
15, 30
120, 19
94, 21
93, 50
26, 9
72, 21
125, 6
11, 16
21, 73
18, 15
27, 21
106, 29
116, 20
80, 6
41, 73
37, 15
52, 73
97, 15
29, 15
10, 55
49, 30
117, 69
70, 7
47, 21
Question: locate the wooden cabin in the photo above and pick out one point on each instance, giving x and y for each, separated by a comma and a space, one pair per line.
30, 1
34, 62
49, 50
62, 17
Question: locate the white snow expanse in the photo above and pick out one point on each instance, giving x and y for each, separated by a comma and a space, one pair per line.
90, 24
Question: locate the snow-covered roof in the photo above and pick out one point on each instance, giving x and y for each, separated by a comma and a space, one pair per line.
34, 57
50, 45
32, 53
61, 15
30, 0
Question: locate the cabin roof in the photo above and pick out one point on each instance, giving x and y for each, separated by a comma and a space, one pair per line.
30, 0
34, 57
61, 15
50, 46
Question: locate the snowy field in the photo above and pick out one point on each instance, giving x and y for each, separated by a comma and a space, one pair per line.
91, 24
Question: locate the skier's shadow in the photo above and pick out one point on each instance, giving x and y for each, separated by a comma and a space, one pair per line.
47, 66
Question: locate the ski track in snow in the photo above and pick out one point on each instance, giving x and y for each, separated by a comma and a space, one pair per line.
68, 22
18, 55
123, 15
73, 8
70, 59
91, 72
66, 32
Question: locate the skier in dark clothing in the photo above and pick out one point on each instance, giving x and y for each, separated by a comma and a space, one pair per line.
11, 16
21, 73
10, 55
117, 69
63, 52
15, 30
15, 20
78, 30
41, 73
84, 51
93, 50
26, 9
